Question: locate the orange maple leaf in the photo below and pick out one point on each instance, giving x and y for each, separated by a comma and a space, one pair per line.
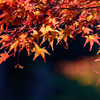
45, 29
14, 46
50, 36
91, 38
48, 33
53, 21
86, 30
39, 51
3, 57
64, 34
4, 44
4, 38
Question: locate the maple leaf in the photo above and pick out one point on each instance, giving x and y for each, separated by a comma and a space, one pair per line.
64, 34
4, 44
98, 26
64, 45
91, 38
3, 57
39, 51
23, 41
89, 17
48, 33
5, 20
53, 21
86, 30
35, 35
51, 39
46, 29
14, 46
50, 36
28, 49
4, 38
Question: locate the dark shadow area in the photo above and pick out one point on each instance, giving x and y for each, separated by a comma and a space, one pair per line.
39, 80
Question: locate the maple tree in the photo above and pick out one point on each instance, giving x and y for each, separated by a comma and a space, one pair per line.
24, 22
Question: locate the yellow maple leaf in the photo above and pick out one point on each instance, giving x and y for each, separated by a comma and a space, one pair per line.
39, 51
46, 29
89, 17
53, 21
14, 46
64, 34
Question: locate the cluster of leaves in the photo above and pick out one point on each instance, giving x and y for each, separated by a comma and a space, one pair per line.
24, 22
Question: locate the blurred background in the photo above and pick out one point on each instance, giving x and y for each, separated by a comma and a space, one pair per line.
67, 75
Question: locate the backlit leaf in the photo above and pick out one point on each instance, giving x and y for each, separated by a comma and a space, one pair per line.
14, 46
3, 57
91, 38
39, 51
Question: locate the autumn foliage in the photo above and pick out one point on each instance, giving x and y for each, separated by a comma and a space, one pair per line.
24, 22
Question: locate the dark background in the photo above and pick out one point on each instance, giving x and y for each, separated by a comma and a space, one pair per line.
41, 81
